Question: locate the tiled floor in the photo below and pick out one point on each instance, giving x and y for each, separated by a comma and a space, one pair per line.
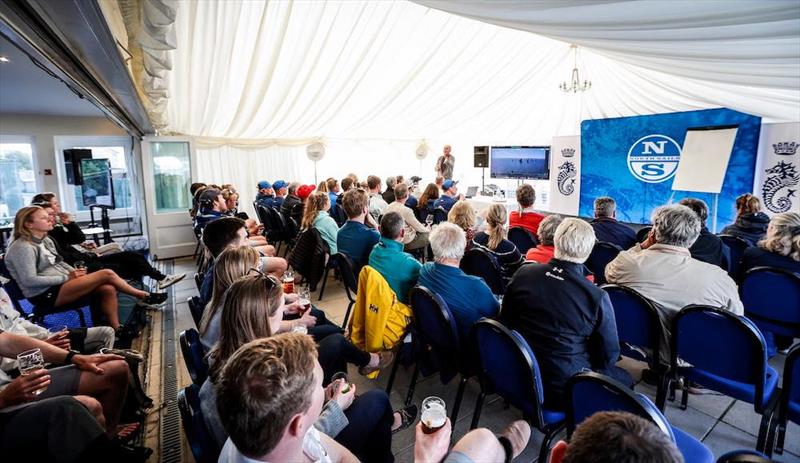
723, 424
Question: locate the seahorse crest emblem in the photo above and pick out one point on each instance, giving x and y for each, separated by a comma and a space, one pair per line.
777, 188
566, 178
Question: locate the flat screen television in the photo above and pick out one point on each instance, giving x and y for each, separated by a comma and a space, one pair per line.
532, 162
98, 189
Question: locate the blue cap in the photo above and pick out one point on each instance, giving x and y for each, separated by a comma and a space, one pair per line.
263, 185
278, 184
448, 184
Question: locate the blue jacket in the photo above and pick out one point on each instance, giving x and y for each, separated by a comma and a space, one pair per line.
356, 240
611, 231
446, 202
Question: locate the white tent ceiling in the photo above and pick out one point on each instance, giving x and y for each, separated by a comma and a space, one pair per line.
253, 72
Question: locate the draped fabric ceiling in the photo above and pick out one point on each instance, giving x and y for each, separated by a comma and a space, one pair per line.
256, 73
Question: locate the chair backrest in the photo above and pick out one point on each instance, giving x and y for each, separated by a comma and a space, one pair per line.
291, 228
194, 425
439, 215
744, 456
198, 280
195, 309
699, 331
263, 214
772, 294
590, 392
509, 368
522, 238
481, 263
12, 289
193, 355
791, 379
641, 235
279, 230
736, 247
638, 323
602, 253
347, 270
436, 328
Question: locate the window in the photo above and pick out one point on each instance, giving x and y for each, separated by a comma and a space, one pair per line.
17, 176
171, 176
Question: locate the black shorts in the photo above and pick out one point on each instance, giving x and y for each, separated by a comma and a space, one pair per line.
46, 299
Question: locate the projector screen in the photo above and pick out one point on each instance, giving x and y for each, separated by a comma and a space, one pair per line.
520, 162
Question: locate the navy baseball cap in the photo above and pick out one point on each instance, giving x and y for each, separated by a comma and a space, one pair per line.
278, 184
449, 184
264, 185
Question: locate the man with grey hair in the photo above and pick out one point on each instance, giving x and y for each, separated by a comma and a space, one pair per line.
663, 270
568, 322
399, 268
288, 208
708, 247
388, 195
607, 228
467, 296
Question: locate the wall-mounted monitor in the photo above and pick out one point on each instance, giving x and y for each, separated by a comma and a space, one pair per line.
522, 162
98, 189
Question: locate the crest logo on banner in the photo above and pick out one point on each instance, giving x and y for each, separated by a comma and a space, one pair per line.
566, 177
654, 158
785, 148
568, 152
776, 189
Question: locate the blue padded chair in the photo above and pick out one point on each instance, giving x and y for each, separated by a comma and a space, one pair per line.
436, 336
641, 235
195, 309
744, 456
591, 392
193, 356
729, 355
350, 281
509, 368
332, 264
736, 247
602, 254
523, 239
638, 328
790, 398
481, 263
771, 298
194, 425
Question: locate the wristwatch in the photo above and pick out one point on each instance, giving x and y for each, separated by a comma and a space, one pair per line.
68, 359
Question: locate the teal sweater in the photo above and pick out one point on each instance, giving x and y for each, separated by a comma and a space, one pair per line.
327, 228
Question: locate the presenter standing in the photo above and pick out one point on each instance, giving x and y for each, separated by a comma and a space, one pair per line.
445, 164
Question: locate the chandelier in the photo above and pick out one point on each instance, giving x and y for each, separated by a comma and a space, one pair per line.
575, 84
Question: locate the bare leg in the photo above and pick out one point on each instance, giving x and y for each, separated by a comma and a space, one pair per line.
266, 249
109, 389
77, 288
276, 266
109, 304
481, 445
94, 408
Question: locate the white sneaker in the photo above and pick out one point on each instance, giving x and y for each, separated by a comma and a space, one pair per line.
170, 280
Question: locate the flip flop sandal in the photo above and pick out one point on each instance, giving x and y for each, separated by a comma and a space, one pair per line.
127, 432
407, 417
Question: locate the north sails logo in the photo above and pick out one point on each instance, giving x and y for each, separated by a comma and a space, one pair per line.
654, 158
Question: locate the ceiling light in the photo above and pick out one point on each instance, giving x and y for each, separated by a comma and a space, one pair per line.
3, 59
575, 85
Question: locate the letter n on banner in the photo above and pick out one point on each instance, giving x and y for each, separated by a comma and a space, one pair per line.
777, 176
565, 174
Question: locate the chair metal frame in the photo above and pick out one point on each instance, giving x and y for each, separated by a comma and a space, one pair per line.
792, 362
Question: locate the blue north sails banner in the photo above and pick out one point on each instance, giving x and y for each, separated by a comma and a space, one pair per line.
634, 159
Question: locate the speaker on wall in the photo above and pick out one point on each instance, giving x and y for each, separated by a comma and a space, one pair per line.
481, 156
72, 163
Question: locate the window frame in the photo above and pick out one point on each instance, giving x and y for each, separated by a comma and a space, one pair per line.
27, 140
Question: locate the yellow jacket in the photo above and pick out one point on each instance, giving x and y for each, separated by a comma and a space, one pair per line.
379, 320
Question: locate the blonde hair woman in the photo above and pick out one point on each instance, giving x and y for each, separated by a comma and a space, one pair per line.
48, 282
316, 215
751, 224
494, 240
780, 248
464, 216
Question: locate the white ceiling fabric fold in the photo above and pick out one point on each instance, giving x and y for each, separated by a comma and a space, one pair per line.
281, 70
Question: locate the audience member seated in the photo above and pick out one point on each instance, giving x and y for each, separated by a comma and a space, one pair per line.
212, 207
708, 247
463, 215
66, 231
544, 251
279, 186
126, 264
663, 270
526, 217
97, 381
316, 215
252, 311
229, 232
440, 183
333, 195
388, 195
398, 268
568, 322
47, 281
751, 223
377, 205
411, 201
467, 296
780, 247
356, 239
11, 321
494, 240
477, 446
194, 188
426, 202
449, 196
416, 234
607, 228
291, 201
266, 194
616, 437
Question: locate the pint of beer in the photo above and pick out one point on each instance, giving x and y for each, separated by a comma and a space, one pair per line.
288, 282
434, 414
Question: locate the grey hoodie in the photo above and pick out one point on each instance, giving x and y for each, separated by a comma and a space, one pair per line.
36, 265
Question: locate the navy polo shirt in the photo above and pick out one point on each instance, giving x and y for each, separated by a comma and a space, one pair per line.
356, 241
611, 231
445, 201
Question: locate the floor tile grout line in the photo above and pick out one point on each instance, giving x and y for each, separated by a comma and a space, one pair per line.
719, 420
